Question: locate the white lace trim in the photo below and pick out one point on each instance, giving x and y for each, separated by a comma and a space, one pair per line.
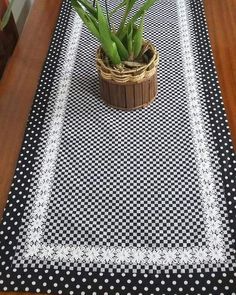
126, 255
42, 195
208, 192
214, 252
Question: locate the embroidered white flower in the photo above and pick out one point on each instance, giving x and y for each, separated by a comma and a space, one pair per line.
92, 254
138, 256
214, 228
33, 250
215, 240
154, 257
61, 253
77, 253
209, 201
201, 255
169, 257
45, 186
204, 154
185, 256
217, 254
46, 251
35, 236
209, 189
41, 210
213, 213
123, 255
107, 255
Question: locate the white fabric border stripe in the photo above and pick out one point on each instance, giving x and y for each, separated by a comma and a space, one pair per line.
209, 195
163, 257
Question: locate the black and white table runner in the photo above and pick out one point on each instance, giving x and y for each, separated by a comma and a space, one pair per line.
111, 202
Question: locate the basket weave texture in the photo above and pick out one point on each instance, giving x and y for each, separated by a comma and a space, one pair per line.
128, 75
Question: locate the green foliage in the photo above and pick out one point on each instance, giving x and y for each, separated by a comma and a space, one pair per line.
88, 18
107, 43
6, 16
120, 45
130, 42
123, 52
137, 38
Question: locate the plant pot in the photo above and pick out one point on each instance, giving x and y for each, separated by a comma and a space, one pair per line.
128, 89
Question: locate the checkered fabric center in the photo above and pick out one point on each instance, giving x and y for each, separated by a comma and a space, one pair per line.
127, 178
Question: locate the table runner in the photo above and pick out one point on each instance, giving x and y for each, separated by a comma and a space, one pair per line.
111, 202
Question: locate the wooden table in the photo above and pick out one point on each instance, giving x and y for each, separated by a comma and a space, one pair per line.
19, 82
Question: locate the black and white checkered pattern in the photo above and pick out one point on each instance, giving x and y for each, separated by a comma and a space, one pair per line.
127, 178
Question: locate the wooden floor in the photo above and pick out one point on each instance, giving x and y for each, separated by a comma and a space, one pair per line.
20, 80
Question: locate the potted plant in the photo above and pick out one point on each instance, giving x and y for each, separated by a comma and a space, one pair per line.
126, 63
8, 33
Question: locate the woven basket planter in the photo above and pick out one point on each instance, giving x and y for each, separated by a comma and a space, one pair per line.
128, 89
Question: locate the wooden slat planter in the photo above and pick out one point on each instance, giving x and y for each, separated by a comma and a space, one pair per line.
129, 96
128, 89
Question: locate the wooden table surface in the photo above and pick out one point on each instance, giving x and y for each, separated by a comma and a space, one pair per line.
20, 80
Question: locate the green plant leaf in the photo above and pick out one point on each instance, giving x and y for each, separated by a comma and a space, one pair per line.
123, 52
108, 45
138, 38
136, 16
86, 5
77, 5
87, 19
142, 10
122, 33
130, 4
130, 42
6, 16
120, 5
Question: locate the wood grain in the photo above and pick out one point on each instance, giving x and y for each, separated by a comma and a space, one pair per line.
221, 19
19, 83
128, 96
